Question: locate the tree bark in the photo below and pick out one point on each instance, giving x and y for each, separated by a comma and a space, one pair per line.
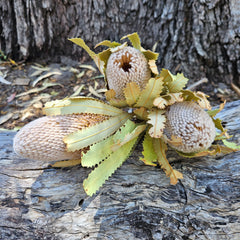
137, 202
198, 38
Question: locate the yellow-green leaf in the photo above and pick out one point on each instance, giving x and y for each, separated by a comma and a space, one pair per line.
80, 105
81, 43
134, 39
174, 83
150, 55
218, 124
203, 102
101, 173
108, 44
93, 134
214, 112
153, 66
149, 155
231, 145
188, 95
151, 91
118, 47
128, 137
131, 92
102, 150
157, 120
160, 149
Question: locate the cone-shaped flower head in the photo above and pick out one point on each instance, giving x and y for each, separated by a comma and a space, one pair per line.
124, 66
42, 139
188, 121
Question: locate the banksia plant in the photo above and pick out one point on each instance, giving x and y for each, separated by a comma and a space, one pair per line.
142, 104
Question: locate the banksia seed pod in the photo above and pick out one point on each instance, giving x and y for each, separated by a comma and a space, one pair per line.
42, 139
188, 121
124, 66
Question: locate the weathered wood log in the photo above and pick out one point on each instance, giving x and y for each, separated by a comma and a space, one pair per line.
40, 202
199, 38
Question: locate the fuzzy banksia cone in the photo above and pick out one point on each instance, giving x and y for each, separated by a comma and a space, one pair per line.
42, 139
125, 66
188, 121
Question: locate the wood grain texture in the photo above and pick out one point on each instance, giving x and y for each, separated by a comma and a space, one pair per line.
199, 38
40, 202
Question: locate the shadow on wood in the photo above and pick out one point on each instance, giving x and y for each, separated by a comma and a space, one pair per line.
39, 202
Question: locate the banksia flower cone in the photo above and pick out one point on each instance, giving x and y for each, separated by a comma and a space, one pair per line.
189, 122
125, 66
42, 139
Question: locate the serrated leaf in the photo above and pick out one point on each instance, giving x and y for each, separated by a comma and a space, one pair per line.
174, 97
149, 155
131, 92
66, 163
188, 95
101, 173
160, 149
118, 47
160, 102
151, 91
102, 150
214, 112
150, 55
174, 83
80, 105
93, 134
108, 44
141, 113
231, 145
218, 124
203, 102
134, 39
128, 137
153, 66
157, 120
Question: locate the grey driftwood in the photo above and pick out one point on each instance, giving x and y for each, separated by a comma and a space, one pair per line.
40, 202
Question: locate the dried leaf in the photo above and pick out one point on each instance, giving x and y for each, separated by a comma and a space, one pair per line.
131, 92
93, 92
151, 91
2, 80
90, 67
93, 134
80, 105
46, 75
157, 120
153, 66
101, 173
160, 148
5, 118
149, 155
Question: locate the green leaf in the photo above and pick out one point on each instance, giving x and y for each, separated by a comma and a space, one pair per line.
141, 113
131, 92
188, 95
160, 148
101, 173
108, 44
134, 39
80, 105
102, 150
157, 120
93, 134
151, 91
218, 124
231, 145
128, 137
149, 155
174, 83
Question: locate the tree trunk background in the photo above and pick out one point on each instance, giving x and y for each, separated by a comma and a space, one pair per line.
39, 202
198, 38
